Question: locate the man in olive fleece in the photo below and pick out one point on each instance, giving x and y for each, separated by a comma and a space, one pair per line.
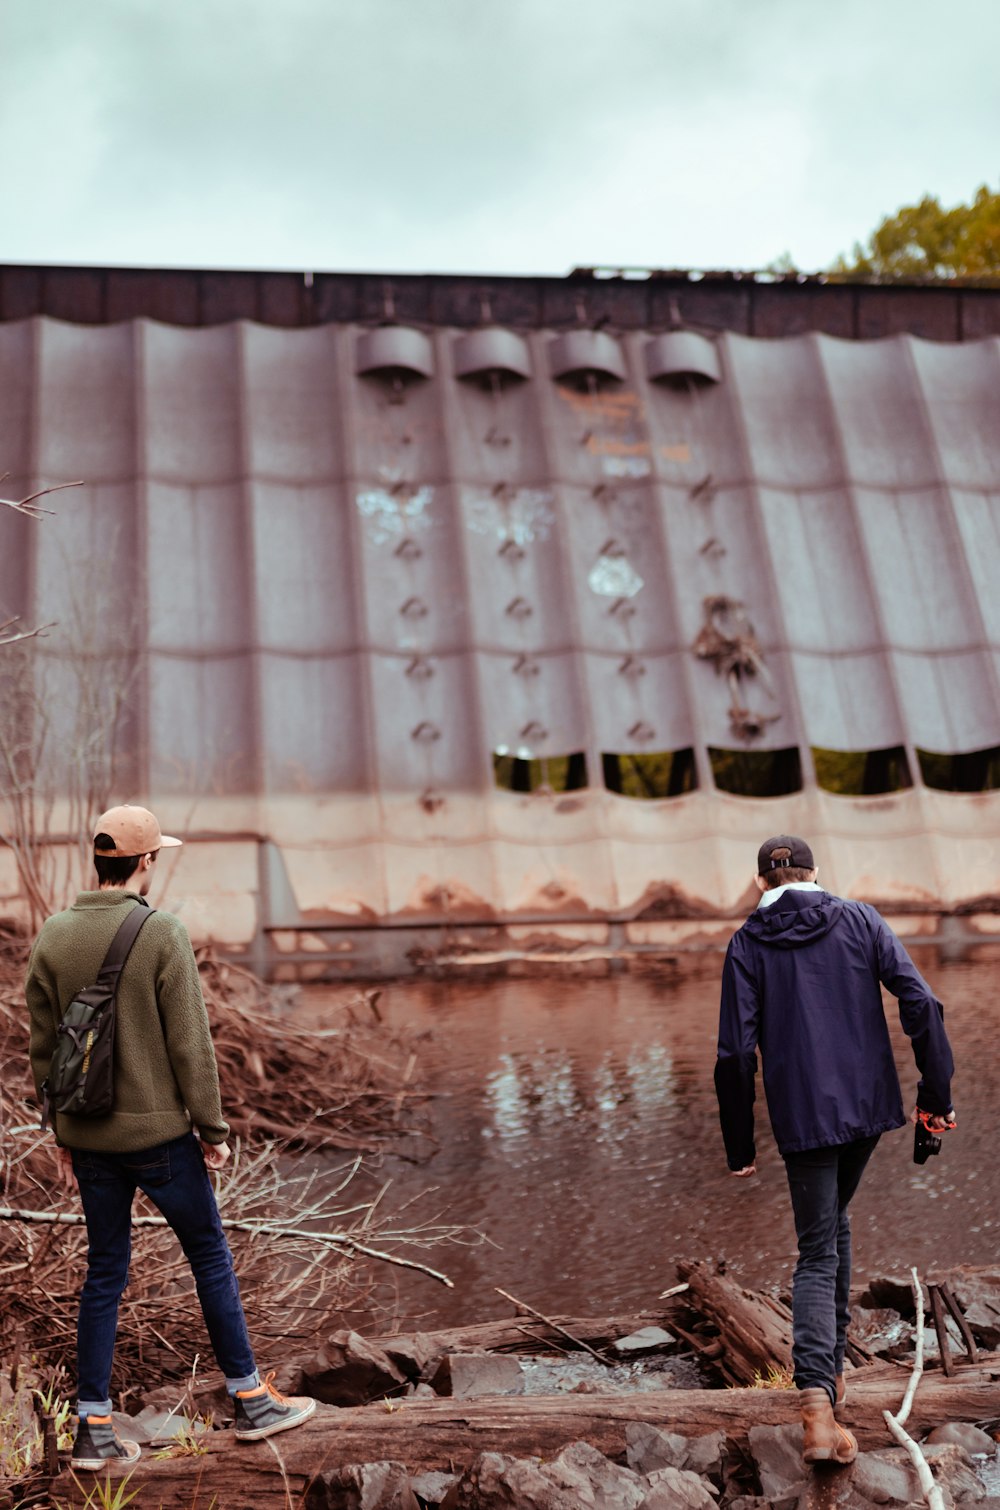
166, 1129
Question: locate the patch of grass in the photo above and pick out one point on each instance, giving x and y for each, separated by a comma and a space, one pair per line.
104, 1496
775, 1378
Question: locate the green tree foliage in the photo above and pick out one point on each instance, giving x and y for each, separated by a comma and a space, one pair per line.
926, 241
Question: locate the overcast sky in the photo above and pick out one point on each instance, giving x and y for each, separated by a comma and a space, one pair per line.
484, 135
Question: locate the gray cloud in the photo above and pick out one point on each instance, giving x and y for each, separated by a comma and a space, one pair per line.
515, 134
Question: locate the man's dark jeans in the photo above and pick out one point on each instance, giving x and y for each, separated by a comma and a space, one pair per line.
822, 1182
174, 1177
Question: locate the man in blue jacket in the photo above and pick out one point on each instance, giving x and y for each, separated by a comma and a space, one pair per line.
802, 982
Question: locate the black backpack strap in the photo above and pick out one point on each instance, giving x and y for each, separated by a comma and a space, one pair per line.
121, 944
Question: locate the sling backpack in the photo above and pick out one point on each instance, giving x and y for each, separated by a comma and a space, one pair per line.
81, 1078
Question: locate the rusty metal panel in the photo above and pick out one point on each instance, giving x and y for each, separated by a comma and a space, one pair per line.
977, 518
583, 302
227, 296
87, 402
337, 297
201, 728
848, 700
353, 590
979, 313
783, 310
18, 408
931, 312
949, 700
192, 421
878, 424
283, 299
313, 709
133, 293
724, 305
74, 293
777, 389
20, 292
960, 390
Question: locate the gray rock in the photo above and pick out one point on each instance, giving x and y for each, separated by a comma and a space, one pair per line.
673, 1489
362, 1486
580, 1478
777, 1452
350, 1371
415, 1354
646, 1340
464, 1375
705, 1454
649, 1447
970, 1437
431, 1488
953, 1470
888, 1477
137, 1428
830, 1489
152, 1425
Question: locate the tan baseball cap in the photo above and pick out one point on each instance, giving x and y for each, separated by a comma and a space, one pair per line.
135, 831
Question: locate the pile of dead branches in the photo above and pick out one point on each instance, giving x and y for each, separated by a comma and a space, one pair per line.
347, 1084
307, 1229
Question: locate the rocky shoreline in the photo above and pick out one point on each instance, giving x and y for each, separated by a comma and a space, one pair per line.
445, 1419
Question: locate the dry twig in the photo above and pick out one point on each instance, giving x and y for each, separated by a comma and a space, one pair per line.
540, 1316
27, 506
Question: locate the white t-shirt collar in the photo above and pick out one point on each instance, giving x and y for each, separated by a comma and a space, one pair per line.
767, 897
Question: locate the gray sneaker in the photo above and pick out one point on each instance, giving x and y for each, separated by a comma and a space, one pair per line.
262, 1412
97, 1443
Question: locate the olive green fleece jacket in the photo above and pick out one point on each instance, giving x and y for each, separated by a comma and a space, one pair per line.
166, 1077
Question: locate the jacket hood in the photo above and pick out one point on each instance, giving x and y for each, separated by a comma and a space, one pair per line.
796, 919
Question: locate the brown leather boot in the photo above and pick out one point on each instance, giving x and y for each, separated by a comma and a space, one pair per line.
823, 1440
841, 1393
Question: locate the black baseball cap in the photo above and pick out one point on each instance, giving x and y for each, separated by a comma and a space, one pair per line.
784, 852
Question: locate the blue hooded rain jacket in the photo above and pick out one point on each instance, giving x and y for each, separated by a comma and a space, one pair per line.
801, 982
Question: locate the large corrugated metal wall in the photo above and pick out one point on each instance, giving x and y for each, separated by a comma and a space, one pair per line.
350, 590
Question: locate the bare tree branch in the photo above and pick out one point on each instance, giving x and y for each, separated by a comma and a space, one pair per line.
931, 1491
337, 1240
27, 506
22, 634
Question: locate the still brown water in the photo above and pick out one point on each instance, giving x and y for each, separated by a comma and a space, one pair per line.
578, 1131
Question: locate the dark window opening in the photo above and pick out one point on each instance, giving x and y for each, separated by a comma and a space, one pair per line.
862, 773
662, 773
553, 773
757, 773
972, 771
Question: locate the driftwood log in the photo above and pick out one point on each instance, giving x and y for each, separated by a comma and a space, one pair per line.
449, 1434
752, 1333
526, 1334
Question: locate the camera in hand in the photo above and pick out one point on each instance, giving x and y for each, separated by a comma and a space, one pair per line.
925, 1143
927, 1140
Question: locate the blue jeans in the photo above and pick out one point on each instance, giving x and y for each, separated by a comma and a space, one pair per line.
174, 1177
822, 1182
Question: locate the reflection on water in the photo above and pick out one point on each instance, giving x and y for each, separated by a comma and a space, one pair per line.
578, 1130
